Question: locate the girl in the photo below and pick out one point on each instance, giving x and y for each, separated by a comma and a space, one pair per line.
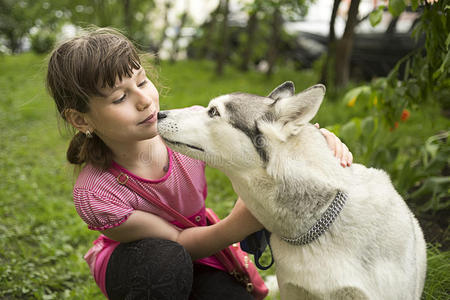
100, 87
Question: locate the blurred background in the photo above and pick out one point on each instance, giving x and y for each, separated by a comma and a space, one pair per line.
246, 33
385, 65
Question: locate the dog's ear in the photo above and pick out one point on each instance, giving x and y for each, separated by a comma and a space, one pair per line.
300, 108
284, 90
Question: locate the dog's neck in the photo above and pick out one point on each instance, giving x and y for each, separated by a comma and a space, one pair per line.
287, 209
291, 194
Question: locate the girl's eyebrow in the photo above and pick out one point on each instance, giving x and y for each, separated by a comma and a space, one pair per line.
116, 87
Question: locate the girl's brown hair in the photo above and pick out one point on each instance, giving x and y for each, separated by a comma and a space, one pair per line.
77, 70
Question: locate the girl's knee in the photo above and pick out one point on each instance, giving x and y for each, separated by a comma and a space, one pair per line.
163, 255
169, 253
158, 267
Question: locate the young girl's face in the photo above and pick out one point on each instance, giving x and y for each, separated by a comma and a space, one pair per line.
128, 112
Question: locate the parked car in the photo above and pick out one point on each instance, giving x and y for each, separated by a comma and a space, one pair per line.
375, 52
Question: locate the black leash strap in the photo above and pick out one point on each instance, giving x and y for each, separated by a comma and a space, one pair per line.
256, 244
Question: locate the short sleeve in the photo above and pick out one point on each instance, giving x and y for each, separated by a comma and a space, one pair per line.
100, 212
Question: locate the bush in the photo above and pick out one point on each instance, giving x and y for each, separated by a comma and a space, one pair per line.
42, 41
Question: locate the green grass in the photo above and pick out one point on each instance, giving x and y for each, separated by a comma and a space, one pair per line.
42, 238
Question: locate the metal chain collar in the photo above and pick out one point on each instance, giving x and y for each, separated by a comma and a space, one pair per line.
322, 224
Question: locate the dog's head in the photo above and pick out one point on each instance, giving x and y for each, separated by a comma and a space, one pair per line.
239, 131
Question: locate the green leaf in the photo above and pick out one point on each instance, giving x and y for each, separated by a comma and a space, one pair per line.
437, 186
368, 125
407, 67
376, 16
442, 68
396, 7
351, 130
414, 90
351, 96
414, 4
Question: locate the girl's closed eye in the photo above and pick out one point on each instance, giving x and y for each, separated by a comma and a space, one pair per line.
140, 85
120, 99
143, 83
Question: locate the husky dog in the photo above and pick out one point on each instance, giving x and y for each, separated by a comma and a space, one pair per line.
337, 233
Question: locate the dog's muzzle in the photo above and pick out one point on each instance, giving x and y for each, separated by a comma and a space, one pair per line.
162, 115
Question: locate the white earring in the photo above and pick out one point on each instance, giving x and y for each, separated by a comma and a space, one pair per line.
88, 134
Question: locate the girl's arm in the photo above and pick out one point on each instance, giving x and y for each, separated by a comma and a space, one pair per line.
199, 241
239, 224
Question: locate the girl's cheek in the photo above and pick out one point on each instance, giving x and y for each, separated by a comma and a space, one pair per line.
153, 92
156, 95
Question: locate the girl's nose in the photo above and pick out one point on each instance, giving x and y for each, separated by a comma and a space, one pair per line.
143, 102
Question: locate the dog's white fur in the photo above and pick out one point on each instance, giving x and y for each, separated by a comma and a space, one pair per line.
287, 176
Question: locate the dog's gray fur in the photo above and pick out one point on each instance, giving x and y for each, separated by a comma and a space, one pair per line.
284, 171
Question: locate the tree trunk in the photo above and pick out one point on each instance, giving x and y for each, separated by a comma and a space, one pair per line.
13, 41
158, 44
175, 41
248, 49
344, 46
223, 42
206, 46
391, 28
331, 44
102, 15
128, 17
272, 53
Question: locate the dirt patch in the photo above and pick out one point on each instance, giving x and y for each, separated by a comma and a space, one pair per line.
435, 227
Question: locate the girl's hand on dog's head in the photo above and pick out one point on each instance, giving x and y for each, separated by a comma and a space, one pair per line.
339, 149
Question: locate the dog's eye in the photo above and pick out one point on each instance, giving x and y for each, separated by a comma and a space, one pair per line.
213, 112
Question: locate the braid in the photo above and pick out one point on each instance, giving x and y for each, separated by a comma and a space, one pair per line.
89, 150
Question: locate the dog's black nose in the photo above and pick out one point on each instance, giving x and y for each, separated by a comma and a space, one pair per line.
162, 115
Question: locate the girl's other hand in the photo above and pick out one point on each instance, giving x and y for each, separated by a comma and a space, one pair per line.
339, 149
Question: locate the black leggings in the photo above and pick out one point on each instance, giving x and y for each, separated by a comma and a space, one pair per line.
163, 270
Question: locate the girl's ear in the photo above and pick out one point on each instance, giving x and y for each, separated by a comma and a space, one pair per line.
77, 119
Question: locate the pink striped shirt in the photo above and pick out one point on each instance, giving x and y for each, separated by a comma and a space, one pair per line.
103, 203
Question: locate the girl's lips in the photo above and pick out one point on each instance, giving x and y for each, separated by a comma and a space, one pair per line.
149, 119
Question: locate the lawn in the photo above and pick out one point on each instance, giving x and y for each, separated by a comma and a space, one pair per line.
43, 239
